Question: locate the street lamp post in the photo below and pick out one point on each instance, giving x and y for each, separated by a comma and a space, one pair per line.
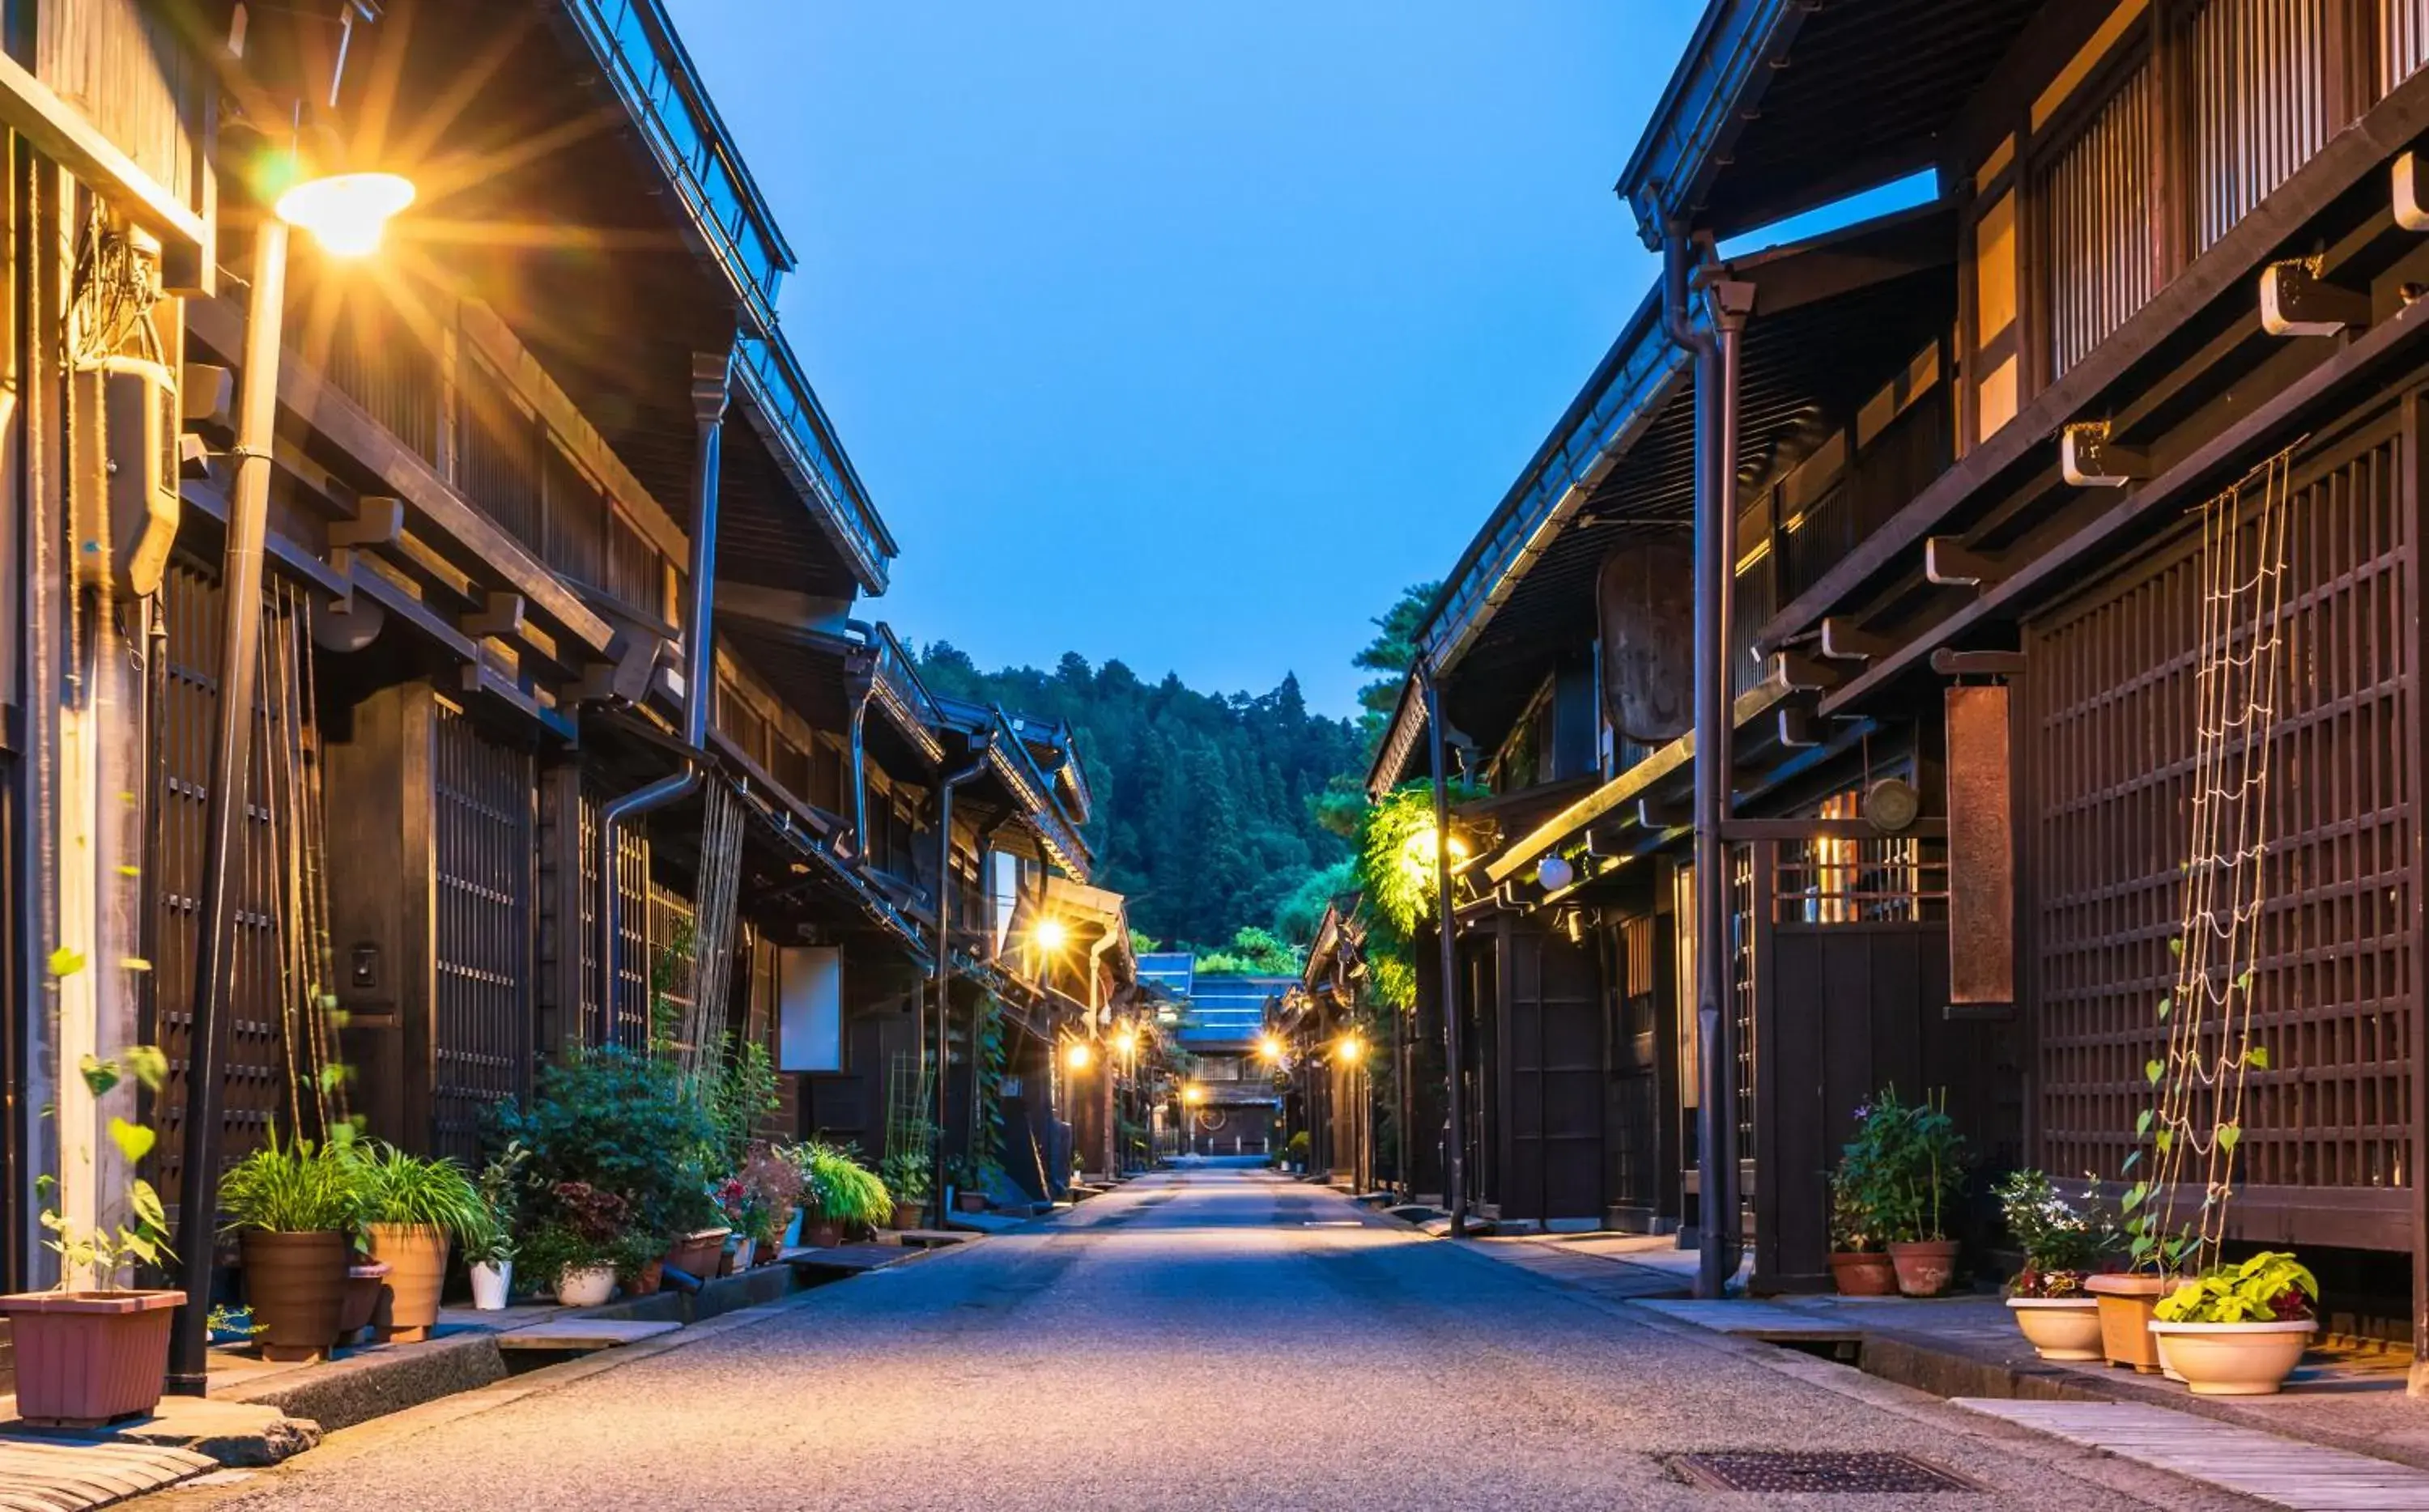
345, 213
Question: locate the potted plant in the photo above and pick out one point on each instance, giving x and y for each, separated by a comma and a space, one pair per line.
2063, 1244
414, 1207
905, 1175
1913, 1160
1859, 1262
968, 1177
2239, 1330
580, 1239
628, 1124
96, 1350
839, 1193
775, 1186
490, 1254
295, 1208
366, 1283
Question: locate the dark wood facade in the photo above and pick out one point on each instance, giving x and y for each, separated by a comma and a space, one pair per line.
2170, 263
481, 518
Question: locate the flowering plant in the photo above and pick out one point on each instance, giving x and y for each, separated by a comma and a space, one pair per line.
2062, 1242
2271, 1287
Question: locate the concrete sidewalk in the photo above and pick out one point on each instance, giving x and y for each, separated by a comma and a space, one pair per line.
2347, 1395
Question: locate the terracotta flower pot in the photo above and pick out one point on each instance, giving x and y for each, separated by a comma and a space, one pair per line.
2060, 1327
1863, 1274
905, 1215
416, 1258
2232, 1359
364, 1284
699, 1252
1924, 1266
822, 1232
2126, 1303
297, 1286
84, 1359
646, 1281
970, 1202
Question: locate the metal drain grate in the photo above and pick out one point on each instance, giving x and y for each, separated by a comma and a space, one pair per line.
1767, 1470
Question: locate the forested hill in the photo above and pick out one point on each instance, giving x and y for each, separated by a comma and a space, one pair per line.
1202, 814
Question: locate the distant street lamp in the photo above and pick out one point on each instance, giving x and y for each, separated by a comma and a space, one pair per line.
1190, 1096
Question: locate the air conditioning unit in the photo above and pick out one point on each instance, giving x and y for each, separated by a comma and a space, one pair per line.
125, 503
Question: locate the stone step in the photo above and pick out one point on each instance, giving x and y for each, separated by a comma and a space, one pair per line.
584, 1335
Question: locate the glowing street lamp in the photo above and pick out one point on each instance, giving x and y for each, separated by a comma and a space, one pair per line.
1351, 1049
1126, 1041
1269, 1048
346, 213
1050, 935
1076, 1056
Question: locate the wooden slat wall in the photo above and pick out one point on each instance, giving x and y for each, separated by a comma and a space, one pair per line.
2110, 739
2095, 202
120, 63
2403, 41
2259, 91
626, 1021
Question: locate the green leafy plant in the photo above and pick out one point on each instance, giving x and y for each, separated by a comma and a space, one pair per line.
297, 1188
397, 1188
739, 1095
905, 1175
579, 1227
500, 1186
620, 1123
839, 1188
1900, 1175
2062, 1242
2271, 1287
1296, 1148
107, 1253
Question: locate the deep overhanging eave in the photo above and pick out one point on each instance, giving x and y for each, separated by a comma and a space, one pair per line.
1726, 65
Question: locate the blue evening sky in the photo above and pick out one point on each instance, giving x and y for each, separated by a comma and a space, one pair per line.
1189, 332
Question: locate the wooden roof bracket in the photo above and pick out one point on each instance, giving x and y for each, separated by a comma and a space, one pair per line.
378, 520
2411, 203
1799, 728
1803, 674
2087, 459
1948, 562
2295, 300
1842, 640
1949, 661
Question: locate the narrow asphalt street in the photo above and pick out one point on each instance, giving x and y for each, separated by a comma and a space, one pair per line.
1213, 1338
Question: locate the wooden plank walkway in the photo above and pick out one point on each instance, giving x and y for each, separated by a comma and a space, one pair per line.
65, 1474
2281, 1471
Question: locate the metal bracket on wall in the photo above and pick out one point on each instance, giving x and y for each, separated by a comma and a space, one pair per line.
2295, 300
1947, 561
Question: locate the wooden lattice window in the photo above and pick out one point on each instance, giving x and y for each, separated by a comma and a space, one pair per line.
2336, 990
482, 798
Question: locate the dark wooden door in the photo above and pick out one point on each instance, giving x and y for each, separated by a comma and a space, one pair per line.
1552, 1107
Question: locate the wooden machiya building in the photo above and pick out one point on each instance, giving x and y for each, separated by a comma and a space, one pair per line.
2101, 470
533, 755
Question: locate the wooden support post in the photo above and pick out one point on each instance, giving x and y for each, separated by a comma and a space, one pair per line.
2296, 301
1947, 561
1797, 728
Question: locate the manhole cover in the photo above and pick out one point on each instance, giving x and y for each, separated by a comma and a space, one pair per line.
1764, 1470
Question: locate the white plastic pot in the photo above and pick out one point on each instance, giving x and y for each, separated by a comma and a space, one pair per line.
588, 1286
490, 1284
743, 1251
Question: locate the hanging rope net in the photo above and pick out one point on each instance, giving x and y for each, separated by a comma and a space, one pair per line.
2198, 1078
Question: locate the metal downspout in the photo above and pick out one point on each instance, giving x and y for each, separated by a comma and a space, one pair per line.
941, 967
1715, 1028
711, 381
1455, 1150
